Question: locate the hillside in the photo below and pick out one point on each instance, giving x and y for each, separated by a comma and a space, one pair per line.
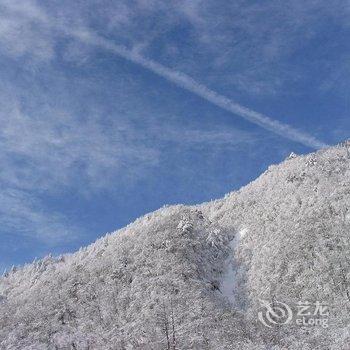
194, 277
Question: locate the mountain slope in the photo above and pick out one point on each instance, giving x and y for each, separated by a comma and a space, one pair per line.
193, 277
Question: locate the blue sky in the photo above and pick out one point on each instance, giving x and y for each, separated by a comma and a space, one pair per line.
111, 109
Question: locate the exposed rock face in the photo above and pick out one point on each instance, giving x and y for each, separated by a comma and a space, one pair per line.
164, 282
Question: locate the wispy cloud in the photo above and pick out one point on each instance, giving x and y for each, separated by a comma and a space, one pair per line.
187, 83
21, 30
198, 137
51, 151
232, 45
182, 80
84, 149
48, 151
45, 150
21, 214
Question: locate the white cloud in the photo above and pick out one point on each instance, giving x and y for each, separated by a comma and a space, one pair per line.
43, 154
23, 30
215, 137
187, 83
59, 149
20, 213
239, 47
45, 151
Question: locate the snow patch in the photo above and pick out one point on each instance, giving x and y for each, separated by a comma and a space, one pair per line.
185, 226
240, 234
292, 156
347, 217
229, 280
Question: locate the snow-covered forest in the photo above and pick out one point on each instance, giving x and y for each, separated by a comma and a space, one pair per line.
193, 277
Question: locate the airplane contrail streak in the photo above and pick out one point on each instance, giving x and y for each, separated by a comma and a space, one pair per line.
187, 83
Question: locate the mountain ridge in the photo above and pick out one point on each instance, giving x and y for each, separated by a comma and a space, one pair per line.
159, 283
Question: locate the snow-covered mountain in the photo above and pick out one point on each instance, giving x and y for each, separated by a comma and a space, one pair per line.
203, 277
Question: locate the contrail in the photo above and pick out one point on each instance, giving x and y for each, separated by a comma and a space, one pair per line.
187, 83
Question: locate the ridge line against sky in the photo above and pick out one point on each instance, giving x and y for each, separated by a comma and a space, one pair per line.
186, 82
